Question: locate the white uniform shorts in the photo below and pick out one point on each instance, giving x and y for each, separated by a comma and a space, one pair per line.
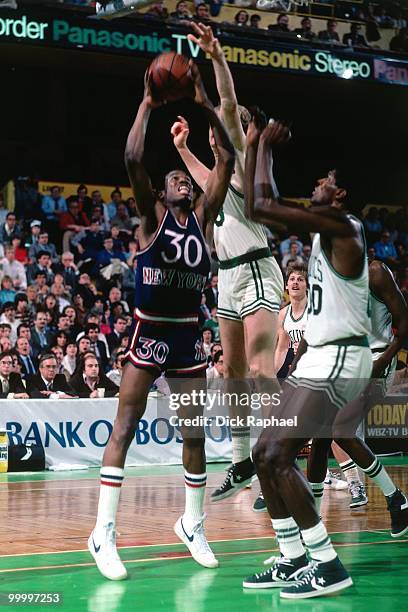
248, 287
341, 371
389, 372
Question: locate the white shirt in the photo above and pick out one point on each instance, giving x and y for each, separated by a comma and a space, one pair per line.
15, 270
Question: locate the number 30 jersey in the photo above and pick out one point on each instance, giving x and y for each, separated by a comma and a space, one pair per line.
338, 305
173, 269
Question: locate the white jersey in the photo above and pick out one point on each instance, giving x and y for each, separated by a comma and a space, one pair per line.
295, 328
234, 234
381, 323
338, 305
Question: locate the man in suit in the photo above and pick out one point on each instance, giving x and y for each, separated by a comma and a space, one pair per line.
40, 337
42, 265
11, 385
211, 294
115, 338
49, 384
30, 364
96, 345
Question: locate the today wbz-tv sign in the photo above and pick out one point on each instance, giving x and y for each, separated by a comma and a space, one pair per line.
148, 40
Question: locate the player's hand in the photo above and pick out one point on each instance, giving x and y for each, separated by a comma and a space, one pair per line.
180, 131
378, 368
205, 39
275, 133
200, 95
256, 126
148, 97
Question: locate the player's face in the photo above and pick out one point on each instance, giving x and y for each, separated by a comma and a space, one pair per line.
179, 189
325, 191
297, 286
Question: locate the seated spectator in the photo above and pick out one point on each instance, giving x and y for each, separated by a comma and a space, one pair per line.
213, 324
5, 330
97, 199
97, 346
59, 355
216, 371
23, 315
305, 31
14, 269
84, 346
43, 245
281, 25
72, 223
307, 251
110, 208
62, 338
84, 201
115, 296
70, 312
214, 348
330, 34
182, 11
202, 13
354, 38
47, 383
107, 253
399, 42
5, 344
42, 266
117, 241
385, 249
204, 313
211, 293
10, 229
40, 338
35, 229
241, 18
133, 212
157, 11
122, 219
69, 361
11, 384
372, 224
115, 374
20, 252
293, 257
285, 244
255, 21
7, 293
90, 241
9, 316
207, 341
67, 269
53, 207
119, 330
90, 381
86, 289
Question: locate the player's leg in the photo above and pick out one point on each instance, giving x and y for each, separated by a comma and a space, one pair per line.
132, 403
235, 372
317, 468
350, 471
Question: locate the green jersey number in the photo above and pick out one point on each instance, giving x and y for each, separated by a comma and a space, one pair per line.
220, 218
315, 300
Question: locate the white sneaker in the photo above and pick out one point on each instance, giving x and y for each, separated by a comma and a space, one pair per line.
195, 540
332, 482
102, 546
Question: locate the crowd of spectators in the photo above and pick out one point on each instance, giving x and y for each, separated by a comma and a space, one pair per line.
67, 288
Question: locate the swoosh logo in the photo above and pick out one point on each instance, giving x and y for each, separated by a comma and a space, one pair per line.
27, 455
97, 548
189, 538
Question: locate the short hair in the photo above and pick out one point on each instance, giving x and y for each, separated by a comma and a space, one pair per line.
7, 306
20, 297
296, 269
82, 186
91, 326
116, 191
42, 253
5, 326
4, 354
20, 327
11, 213
120, 317
46, 356
217, 356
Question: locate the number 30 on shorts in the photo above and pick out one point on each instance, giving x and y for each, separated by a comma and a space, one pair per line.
152, 348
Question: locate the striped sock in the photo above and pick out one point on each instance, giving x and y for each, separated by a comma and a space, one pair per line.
350, 471
111, 483
377, 473
317, 490
318, 543
288, 536
241, 443
195, 491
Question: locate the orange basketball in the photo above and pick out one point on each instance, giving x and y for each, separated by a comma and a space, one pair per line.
170, 77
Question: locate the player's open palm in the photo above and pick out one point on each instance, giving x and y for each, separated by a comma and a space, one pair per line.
205, 39
180, 131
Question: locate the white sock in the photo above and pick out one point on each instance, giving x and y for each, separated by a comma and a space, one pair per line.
318, 543
195, 491
350, 471
241, 443
377, 473
317, 490
111, 484
288, 536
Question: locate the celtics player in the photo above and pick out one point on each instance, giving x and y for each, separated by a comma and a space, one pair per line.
324, 379
166, 336
249, 280
388, 312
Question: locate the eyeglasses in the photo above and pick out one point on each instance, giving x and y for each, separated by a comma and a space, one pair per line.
9, 363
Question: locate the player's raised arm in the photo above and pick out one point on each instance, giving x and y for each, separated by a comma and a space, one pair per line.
268, 208
180, 131
255, 128
140, 181
220, 176
383, 285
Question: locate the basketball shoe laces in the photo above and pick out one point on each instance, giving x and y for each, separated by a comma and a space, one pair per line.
281, 561
307, 573
111, 540
198, 530
227, 478
356, 488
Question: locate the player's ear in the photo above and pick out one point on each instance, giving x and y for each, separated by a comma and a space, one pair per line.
160, 195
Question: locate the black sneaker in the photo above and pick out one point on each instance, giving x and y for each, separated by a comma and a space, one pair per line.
259, 504
238, 476
358, 494
319, 579
398, 508
282, 571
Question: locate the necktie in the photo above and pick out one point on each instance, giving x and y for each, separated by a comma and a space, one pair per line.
30, 366
5, 385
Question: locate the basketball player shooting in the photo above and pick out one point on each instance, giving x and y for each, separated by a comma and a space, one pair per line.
166, 335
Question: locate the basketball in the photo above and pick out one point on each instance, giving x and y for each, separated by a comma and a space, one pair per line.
170, 77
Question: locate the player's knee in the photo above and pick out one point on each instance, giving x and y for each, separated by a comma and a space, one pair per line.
258, 456
233, 370
123, 431
276, 459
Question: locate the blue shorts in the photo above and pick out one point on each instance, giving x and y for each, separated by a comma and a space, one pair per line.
163, 344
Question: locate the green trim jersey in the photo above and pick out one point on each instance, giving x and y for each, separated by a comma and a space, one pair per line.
295, 328
381, 322
234, 234
338, 306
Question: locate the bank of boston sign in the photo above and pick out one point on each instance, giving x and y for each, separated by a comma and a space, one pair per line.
144, 39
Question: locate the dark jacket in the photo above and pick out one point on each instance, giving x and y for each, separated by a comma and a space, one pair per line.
35, 342
35, 385
15, 385
81, 388
24, 369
